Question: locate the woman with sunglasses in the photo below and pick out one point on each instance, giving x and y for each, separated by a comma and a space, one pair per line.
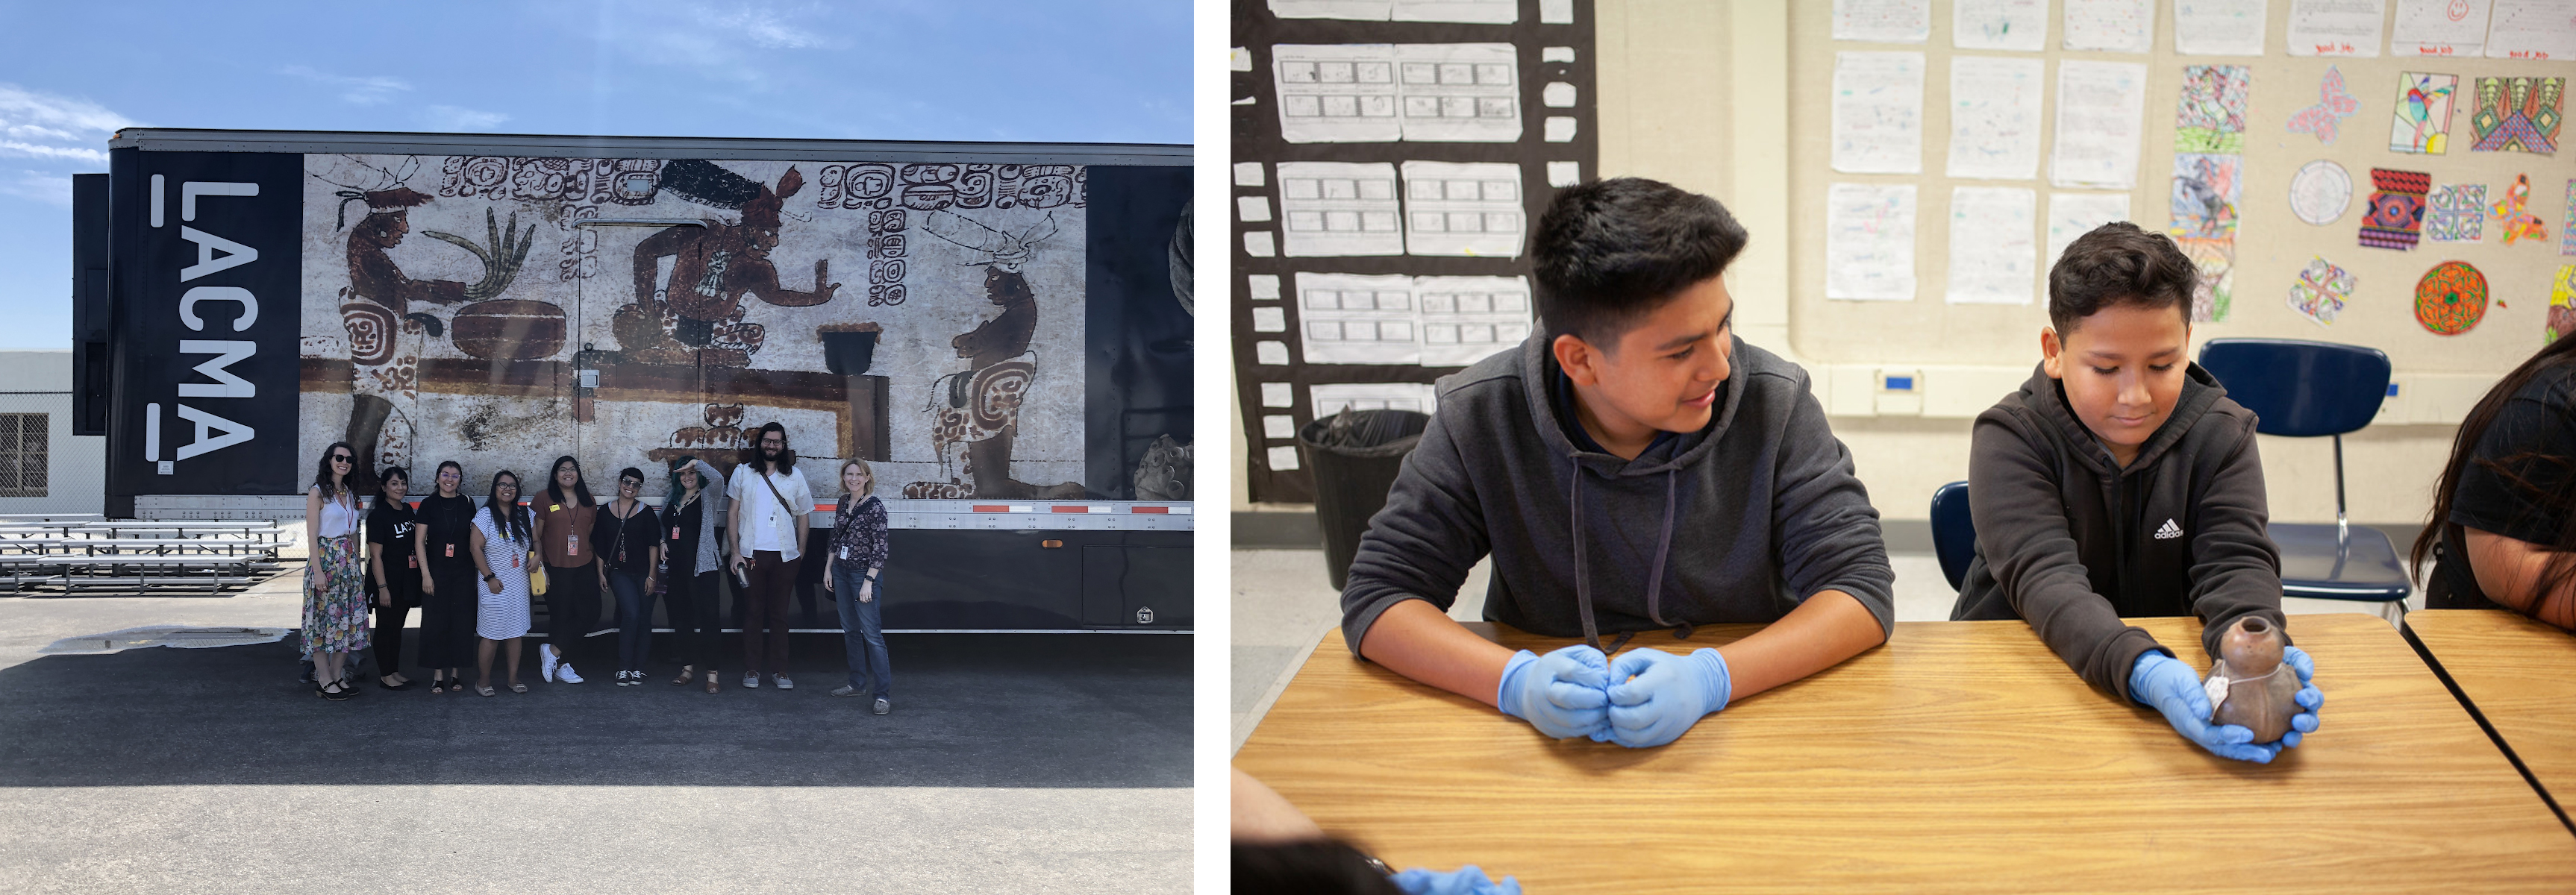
335, 585
689, 516
565, 514
443, 539
629, 548
393, 572
501, 545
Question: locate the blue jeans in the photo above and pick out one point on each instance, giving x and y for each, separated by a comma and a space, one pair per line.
862, 635
634, 619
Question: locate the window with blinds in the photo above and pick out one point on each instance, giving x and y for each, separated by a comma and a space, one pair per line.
22, 454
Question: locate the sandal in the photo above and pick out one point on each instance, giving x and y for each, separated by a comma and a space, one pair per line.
686, 675
484, 690
406, 685
334, 695
518, 688
438, 685
711, 681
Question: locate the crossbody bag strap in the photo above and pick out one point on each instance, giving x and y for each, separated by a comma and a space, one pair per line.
782, 498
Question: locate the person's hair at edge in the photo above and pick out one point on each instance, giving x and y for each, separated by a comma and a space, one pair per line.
863, 470
679, 464
386, 476
1608, 252
322, 470
445, 465
2562, 563
580, 484
512, 521
751, 449
632, 473
2116, 265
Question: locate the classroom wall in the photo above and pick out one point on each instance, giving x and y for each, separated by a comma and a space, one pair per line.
1730, 98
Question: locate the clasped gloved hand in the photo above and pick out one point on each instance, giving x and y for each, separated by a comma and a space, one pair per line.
2309, 697
2164, 683
1559, 693
1656, 696
1468, 880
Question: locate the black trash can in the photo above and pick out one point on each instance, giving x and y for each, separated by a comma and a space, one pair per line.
1354, 456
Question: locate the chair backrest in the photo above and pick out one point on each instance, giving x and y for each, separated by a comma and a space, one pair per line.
2297, 388
1954, 533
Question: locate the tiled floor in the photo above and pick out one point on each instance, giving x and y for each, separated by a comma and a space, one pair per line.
1284, 602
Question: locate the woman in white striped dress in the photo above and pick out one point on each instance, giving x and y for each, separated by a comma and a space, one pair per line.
501, 542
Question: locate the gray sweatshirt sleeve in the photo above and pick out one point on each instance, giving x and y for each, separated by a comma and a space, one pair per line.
2023, 534
1422, 544
1828, 533
2235, 569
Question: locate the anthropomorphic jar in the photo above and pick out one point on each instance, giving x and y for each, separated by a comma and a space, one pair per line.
2258, 687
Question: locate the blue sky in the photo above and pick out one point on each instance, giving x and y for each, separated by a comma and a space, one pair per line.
1018, 70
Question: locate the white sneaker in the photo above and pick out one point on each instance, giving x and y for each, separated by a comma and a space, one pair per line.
783, 682
546, 661
751, 681
564, 672
621, 678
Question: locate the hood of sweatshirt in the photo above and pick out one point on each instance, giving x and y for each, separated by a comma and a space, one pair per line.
2045, 398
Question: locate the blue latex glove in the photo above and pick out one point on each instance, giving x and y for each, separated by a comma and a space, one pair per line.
2167, 685
1559, 693
1656, 696
2309, 697
1466, 880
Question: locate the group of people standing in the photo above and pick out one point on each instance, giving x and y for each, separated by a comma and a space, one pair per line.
474, 571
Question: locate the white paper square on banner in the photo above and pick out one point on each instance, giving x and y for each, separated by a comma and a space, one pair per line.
1278, 394
1265, 286
1556, 12
1278, 425
1271, 319
1560, 129
1556, 95
1283, 458
1270, 353
1562, 174
1239, 59
1247, 174
1254, 209
1260, 244
1556, 54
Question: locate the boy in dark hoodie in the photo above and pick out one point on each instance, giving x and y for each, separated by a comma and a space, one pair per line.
1632, 466
2121, 482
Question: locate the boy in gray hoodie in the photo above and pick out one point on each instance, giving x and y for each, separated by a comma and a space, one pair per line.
2121, 482
1632, 466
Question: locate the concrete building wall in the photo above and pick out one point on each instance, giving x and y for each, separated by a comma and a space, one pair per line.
41, 382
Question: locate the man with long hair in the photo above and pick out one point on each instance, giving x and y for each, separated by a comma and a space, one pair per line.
770, 501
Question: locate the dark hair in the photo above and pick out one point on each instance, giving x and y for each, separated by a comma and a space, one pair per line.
751, 449
637, 474
322, 470
2118, 264
443, 466
2536, 498
391, 473
1306, 866
1610, 251
512, 522
580, 485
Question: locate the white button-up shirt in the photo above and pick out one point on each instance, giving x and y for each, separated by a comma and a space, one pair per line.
765, 524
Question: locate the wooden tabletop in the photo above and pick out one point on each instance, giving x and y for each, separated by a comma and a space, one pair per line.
2519, 674
1961, 756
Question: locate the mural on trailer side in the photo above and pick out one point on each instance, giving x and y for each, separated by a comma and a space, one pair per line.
956, 367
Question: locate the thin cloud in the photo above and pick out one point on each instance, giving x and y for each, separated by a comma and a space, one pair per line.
42, 186
55, 128
457, 118
763, 27
364, 91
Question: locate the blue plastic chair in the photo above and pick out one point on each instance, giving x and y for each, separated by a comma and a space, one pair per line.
2300, 389
1954, 532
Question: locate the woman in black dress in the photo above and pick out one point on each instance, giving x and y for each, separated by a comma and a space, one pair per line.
630, 547
442, 538
393, 573
690, 557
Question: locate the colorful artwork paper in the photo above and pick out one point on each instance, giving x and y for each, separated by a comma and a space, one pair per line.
2422, 122
2456, 212
2216, 259
2395, 216
2562, 305
2334, 104
2567, 228
2513, 215
2321, 291
2320, 192
2451, 298
2211, 115
2206, 188
2518, 115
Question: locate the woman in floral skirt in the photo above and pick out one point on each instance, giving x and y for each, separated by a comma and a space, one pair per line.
335, 580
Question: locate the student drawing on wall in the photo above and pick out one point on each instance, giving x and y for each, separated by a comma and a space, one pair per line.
697, 316
980, 406
385, 333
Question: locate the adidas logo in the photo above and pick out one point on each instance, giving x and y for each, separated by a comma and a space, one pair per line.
2169, 532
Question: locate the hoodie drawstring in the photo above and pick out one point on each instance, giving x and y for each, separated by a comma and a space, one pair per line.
1582, 581
1654, 579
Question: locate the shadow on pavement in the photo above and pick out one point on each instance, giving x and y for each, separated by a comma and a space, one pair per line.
970, 710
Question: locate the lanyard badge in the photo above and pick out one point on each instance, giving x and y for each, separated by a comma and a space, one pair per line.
572, 545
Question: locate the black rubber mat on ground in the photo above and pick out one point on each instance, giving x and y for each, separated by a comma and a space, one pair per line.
969, 710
